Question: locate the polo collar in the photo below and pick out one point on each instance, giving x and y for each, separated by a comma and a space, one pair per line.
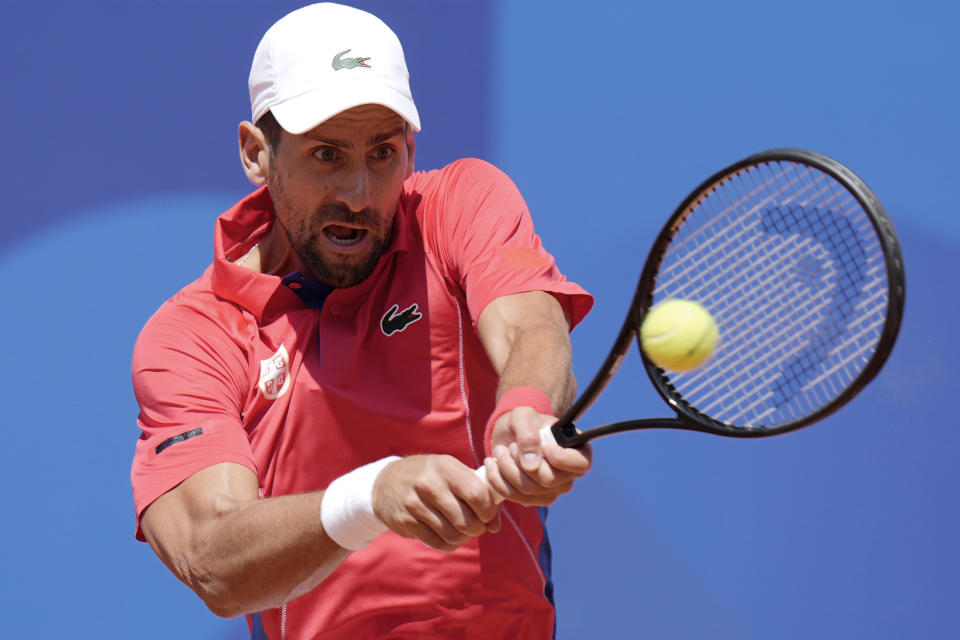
242, 226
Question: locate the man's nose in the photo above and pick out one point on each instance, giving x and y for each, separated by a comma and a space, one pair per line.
355, 190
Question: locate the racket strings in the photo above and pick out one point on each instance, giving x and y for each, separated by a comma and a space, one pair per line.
764, 281
801, 361
850, 256
732, 212
806, 364
788, 262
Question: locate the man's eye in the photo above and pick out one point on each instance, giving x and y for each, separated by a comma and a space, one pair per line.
326, 154
383, 153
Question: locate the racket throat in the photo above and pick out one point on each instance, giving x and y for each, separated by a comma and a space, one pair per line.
567, 435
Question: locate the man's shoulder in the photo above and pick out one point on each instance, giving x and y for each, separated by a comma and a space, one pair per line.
459, 172
454, 195
195, 311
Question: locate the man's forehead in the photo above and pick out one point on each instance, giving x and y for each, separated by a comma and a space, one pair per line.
362, 121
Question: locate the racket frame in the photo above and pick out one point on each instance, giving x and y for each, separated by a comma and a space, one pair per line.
687, 416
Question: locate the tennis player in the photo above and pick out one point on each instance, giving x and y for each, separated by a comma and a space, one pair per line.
313, 407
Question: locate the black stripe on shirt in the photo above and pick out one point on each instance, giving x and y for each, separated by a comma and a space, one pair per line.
186, 435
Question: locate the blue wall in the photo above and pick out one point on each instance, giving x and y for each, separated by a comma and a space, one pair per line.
120, 123
607, 115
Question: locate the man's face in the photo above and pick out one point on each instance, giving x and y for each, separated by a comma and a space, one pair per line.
336, 188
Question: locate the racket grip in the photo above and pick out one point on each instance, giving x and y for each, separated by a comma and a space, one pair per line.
546, 436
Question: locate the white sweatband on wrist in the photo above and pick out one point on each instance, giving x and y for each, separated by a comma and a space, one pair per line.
346, 509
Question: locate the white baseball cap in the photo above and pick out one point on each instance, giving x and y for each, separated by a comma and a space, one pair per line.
323, 59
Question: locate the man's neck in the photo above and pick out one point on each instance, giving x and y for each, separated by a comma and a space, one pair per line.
273, 255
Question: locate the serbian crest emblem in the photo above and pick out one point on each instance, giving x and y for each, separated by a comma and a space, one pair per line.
275, 374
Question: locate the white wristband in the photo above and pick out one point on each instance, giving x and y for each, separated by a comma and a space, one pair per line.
346, 509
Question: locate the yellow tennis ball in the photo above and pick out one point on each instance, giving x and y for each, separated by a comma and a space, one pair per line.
678, 334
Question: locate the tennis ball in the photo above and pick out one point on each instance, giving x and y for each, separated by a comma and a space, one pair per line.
678, 334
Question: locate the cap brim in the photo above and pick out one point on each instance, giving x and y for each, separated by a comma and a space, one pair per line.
306, 111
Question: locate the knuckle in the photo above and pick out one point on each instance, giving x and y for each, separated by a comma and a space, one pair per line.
411, 503
434, 541
423, 490
457, 521
445, 463
427, 486
451, 535
406, 528
475, 493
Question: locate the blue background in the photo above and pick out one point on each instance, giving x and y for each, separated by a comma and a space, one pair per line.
119, 123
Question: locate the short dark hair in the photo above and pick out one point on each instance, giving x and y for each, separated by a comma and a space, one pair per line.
272, 130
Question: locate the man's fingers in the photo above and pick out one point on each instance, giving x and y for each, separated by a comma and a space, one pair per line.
475, 496
531, 469
436, 499
454, 515
429, 537
574, 460
538, 481
516, 485
496, 524
494, 478
526, 430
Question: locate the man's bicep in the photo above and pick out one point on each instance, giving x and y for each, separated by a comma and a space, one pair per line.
506, 317
173, 522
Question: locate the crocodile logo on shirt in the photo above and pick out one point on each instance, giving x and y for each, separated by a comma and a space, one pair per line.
392, 321
349, 63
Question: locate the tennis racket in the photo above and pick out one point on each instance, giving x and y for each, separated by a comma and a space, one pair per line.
798, 262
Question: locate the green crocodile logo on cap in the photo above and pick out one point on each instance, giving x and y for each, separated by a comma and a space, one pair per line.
348, 63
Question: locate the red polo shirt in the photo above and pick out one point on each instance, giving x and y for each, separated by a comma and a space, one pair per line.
302, 388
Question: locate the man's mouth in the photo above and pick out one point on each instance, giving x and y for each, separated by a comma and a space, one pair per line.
344, 236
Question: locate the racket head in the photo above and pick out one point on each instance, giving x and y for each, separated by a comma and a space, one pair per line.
798, 262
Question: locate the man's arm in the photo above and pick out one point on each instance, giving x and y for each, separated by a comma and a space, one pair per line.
241, 553
526, 336
238, 552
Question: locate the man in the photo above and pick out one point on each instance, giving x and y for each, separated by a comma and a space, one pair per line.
314, 406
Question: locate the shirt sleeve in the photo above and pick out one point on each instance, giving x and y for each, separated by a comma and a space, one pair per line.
487, 240
189, 378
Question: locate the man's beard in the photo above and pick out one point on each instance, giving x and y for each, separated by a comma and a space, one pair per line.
332, 269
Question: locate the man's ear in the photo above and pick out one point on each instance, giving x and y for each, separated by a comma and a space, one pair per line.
411, 150
254, 153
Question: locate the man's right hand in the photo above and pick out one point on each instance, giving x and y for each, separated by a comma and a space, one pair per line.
435, 499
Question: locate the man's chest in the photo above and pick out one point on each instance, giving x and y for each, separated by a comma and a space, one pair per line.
370, 373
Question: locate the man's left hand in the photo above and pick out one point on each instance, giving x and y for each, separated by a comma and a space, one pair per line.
527, 471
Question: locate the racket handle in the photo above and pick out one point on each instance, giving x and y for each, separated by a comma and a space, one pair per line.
546, 436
